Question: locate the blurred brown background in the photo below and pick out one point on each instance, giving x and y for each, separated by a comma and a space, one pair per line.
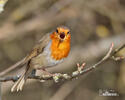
94, 25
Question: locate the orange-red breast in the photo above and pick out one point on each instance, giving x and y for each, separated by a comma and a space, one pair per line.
51, 50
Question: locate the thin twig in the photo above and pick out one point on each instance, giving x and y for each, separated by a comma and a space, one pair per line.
80, 69
98, 63
119, 49
116, 51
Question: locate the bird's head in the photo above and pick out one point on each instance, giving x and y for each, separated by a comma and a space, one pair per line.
61, 33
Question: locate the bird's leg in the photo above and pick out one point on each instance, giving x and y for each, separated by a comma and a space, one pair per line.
33, 72
45, 71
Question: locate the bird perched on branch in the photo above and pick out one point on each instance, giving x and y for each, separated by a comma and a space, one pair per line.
51, 50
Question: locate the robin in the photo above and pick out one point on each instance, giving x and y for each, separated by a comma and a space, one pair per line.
51, 50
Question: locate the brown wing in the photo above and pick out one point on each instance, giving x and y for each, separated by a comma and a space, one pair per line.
39, 47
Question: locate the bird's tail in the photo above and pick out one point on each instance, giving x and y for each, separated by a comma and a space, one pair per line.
18, 86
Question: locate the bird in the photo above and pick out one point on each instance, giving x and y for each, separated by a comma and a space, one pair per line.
50, 50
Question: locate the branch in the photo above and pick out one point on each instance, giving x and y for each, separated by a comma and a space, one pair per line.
80, 69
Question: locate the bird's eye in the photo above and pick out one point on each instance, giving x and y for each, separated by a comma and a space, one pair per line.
57, 31
68, 32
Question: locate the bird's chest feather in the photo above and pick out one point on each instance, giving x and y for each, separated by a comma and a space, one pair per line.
56, 52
